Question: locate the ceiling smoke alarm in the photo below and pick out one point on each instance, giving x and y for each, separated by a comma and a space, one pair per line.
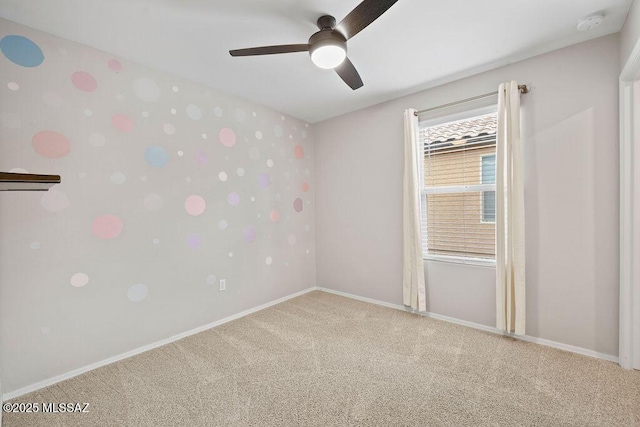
590, 22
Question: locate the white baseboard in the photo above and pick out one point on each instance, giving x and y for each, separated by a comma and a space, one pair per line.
45, 383
542, 341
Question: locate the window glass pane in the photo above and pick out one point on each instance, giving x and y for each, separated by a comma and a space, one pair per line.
489, 206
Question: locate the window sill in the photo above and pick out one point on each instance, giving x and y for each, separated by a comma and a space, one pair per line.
461, 260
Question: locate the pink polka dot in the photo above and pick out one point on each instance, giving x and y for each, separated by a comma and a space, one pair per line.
195, 205
50, 144
227, 137
298, 152
107, 226
121, 122
84, 81
114, 65
274, 215
305, 187
298, 205
233, 199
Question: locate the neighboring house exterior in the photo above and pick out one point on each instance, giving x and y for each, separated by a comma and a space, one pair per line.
460, 221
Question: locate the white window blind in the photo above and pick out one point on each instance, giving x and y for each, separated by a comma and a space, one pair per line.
458, 198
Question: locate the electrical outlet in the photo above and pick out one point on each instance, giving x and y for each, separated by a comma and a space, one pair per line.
223, 284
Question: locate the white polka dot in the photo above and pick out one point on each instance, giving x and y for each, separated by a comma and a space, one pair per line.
18, 170
54, 200
78, 280
217, 111
269, 260
88, 112
45, 330
307, 250
258, 134
307, 228
180, 153
118, 178
169, 129
240, 172
146, 90
270, 163
175, 88
222, 225
188, 179
137, 293
254, 114
145, 114
143, 178
174, 111
204, 136
13, 86
194, 112
259, 215
222, 176
156, 241
35, 245
119, 96
278, 197
253, 199
96, 139
282, 117
211, 279
304, 134
230, 254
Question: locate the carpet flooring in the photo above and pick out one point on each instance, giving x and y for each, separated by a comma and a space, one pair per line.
325, 360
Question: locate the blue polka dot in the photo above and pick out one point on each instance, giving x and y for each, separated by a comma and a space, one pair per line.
22, 51
156, 156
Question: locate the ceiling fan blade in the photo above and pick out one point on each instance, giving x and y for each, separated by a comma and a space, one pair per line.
363, 15
270, 50
349, 74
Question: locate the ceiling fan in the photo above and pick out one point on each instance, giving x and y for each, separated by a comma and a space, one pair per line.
328, 47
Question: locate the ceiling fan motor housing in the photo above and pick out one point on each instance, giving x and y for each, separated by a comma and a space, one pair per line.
326, 38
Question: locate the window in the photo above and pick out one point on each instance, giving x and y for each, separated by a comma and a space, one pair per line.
458, 197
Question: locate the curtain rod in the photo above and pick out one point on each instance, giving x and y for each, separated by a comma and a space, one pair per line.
523, 89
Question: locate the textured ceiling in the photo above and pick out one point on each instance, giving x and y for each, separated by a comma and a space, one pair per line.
417, 44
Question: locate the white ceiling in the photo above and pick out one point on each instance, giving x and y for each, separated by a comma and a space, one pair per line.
415, 45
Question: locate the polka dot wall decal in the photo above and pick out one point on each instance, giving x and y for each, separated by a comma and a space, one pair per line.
118, 178
298, 205
194, 112
78, 280
52, 99
50, 144
169, 129
201, 157
174, 111
223, 224
121, 122
211, 279
84, 81
194, 241
307, 228
13, 86
217, 112
258, 135
233, 199
175, 89
145, 114
240, 172
87, 112
54, 201
222, 176
137, 293
253, 199
152, 202
291, 239
254, 114
278, 197
274, 216
180, 153
35, 245
114, 65
264, 180
156, 241
230, 254
21, 51
195, 205
277, 131
45, 330
107, 226
270, 163
249, 234
305, 187
119, 96
9, 121
304, 133
18, 170
146, 90
156, 156
298, 152
188, 179
268, 260
227, 137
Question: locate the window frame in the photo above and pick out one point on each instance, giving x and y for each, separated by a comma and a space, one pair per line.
452, 259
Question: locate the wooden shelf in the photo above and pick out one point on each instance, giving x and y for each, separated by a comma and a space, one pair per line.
27, 181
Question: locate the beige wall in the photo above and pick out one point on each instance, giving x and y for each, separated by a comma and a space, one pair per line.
570, 133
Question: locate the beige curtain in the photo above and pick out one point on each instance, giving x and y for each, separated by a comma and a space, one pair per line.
510, 265
414, 293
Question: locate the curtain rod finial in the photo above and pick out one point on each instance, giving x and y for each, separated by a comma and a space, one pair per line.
523, 88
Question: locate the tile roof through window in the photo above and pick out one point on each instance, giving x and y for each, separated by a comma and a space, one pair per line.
461, 129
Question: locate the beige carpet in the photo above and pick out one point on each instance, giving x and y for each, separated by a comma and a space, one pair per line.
324, 360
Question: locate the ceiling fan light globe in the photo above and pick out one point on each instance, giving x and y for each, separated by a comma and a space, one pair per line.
328, 56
